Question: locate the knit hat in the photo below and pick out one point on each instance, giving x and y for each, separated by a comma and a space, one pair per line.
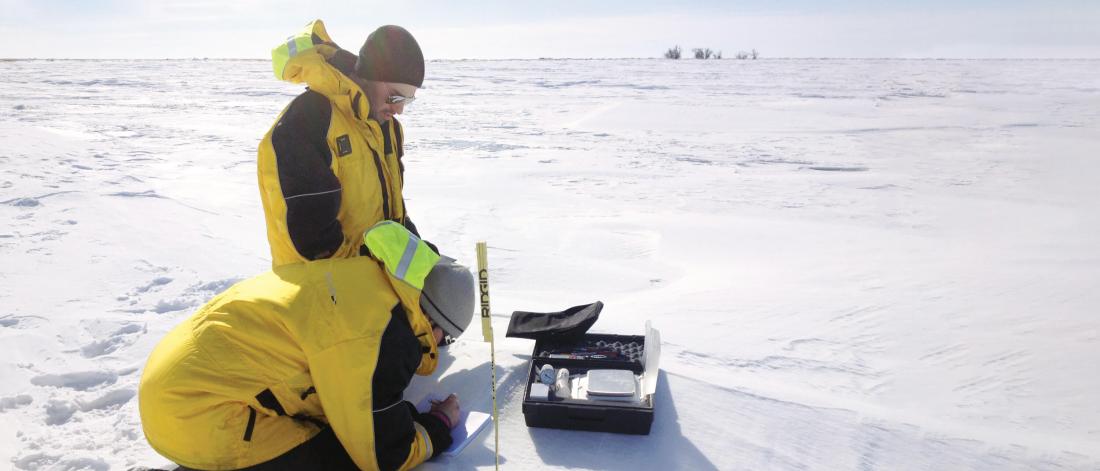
391, 54
448, 296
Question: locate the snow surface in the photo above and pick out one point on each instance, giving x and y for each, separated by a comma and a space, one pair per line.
854, 264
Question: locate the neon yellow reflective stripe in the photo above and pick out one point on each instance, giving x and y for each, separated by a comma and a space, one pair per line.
405, 256
279, 58
293, 46
300, 44
423, 261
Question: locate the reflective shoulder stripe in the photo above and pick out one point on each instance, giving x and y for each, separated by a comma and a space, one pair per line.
294, 45
405, 256
331, 286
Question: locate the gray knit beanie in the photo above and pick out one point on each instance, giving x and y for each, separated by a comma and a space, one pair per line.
448, 296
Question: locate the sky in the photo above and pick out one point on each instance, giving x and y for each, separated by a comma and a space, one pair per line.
500, 29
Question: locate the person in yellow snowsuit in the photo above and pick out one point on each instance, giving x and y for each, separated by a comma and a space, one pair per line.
304, 367
330, 167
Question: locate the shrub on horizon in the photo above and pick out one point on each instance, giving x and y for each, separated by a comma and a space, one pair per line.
703, 52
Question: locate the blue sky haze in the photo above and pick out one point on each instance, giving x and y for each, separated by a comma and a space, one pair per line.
503, 29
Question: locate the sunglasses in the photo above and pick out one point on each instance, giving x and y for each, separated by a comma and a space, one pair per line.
399, 100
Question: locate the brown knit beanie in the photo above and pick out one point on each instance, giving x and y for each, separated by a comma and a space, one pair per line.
391, 54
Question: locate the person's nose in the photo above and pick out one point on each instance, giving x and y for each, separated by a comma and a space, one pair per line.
398, 108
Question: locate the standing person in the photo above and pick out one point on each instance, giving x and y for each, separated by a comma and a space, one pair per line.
330, 167
304, 367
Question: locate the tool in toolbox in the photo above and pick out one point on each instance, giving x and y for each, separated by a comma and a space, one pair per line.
581, 354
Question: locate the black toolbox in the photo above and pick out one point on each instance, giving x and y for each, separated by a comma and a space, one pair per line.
591, 352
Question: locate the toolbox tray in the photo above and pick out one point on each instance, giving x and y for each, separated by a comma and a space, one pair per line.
587, 414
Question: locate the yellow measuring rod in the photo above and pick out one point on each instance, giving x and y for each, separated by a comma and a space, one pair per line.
487, 333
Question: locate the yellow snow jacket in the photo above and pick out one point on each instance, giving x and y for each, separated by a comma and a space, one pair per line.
266, 364
326, 171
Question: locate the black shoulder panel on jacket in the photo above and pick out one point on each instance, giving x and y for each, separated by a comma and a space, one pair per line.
400, 143
398, 358
310, 189
386, 144
303, 127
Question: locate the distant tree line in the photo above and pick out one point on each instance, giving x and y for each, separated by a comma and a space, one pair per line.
707, 53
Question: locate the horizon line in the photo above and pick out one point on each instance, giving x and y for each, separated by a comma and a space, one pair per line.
687, 59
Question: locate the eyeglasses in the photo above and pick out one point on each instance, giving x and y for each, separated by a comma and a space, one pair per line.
399, 100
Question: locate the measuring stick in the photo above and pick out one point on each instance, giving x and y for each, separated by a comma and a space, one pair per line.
487, 333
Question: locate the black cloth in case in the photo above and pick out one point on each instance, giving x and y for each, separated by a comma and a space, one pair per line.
568, 324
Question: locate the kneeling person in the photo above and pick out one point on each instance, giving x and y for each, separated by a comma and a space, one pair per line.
304, 367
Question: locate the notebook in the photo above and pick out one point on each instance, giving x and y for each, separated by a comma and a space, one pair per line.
470, 424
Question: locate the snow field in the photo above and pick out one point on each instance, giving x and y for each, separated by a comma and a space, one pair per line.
871, 264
